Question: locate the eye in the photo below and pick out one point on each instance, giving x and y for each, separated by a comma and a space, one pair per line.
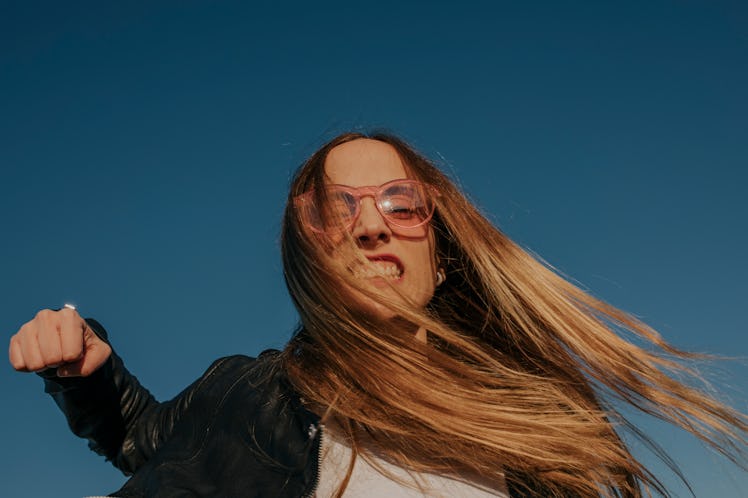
399, 207
341, 205
405, 202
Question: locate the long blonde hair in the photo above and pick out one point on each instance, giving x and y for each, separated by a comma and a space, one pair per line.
521, 371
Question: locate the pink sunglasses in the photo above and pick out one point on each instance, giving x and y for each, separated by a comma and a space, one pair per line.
402, 203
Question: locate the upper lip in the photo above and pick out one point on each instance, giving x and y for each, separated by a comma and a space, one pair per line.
387, 257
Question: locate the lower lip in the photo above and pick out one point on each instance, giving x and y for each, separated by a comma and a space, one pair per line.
384, 281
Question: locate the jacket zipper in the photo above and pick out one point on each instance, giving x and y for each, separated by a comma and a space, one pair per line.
313, 429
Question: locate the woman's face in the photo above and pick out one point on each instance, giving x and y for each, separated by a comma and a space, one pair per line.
403, 257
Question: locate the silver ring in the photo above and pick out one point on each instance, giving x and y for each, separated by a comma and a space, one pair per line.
69, 306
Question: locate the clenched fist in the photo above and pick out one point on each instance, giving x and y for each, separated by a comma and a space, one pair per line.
58, 339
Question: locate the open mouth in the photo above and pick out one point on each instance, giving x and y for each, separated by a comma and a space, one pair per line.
382, 266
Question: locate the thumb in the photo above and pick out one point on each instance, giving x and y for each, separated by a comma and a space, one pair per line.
96, 352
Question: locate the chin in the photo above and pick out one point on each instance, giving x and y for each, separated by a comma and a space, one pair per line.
372, 308
369, 307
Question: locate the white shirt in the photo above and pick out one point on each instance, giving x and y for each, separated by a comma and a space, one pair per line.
367, 480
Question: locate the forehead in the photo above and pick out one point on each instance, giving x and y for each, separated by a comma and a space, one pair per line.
364, 162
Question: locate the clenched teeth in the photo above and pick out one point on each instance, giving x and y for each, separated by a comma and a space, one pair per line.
387, 270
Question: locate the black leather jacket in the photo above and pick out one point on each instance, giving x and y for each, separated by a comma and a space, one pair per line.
239, 430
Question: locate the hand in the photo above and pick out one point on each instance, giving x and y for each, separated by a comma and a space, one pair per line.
58, 339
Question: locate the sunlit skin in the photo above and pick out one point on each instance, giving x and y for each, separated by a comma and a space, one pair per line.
58, 339
366, 162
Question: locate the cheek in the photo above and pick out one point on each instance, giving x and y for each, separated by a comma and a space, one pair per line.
423, 273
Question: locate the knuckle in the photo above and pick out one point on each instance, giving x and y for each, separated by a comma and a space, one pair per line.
68, 312
52, 358
35, 365
69, 356
43, 313
17, 363
26, 330
14, 344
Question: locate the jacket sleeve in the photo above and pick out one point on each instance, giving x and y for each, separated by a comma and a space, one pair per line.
120, 418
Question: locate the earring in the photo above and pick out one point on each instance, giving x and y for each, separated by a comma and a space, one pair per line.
440, 277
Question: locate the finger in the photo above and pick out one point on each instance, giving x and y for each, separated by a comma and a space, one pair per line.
15, 355
32, 357
83, 367
48, 338
97, 352
72, 330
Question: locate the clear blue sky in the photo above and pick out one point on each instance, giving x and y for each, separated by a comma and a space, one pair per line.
145, 150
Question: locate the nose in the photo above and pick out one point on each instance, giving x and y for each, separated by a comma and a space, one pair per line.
370, 228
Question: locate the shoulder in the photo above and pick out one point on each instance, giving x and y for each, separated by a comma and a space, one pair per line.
259, 388
243, 384
268, 359
265, 368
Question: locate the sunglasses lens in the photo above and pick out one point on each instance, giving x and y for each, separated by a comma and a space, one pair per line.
336, 214
406, 204
341, 208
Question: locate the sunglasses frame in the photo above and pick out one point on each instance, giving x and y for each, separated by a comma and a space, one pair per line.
359, 193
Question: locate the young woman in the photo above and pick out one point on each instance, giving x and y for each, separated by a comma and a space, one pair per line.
434, 357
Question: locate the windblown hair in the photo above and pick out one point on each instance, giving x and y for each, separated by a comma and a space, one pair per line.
521, 372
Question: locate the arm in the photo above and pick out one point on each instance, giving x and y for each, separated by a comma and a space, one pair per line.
101, 400
106, 408
120, 418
